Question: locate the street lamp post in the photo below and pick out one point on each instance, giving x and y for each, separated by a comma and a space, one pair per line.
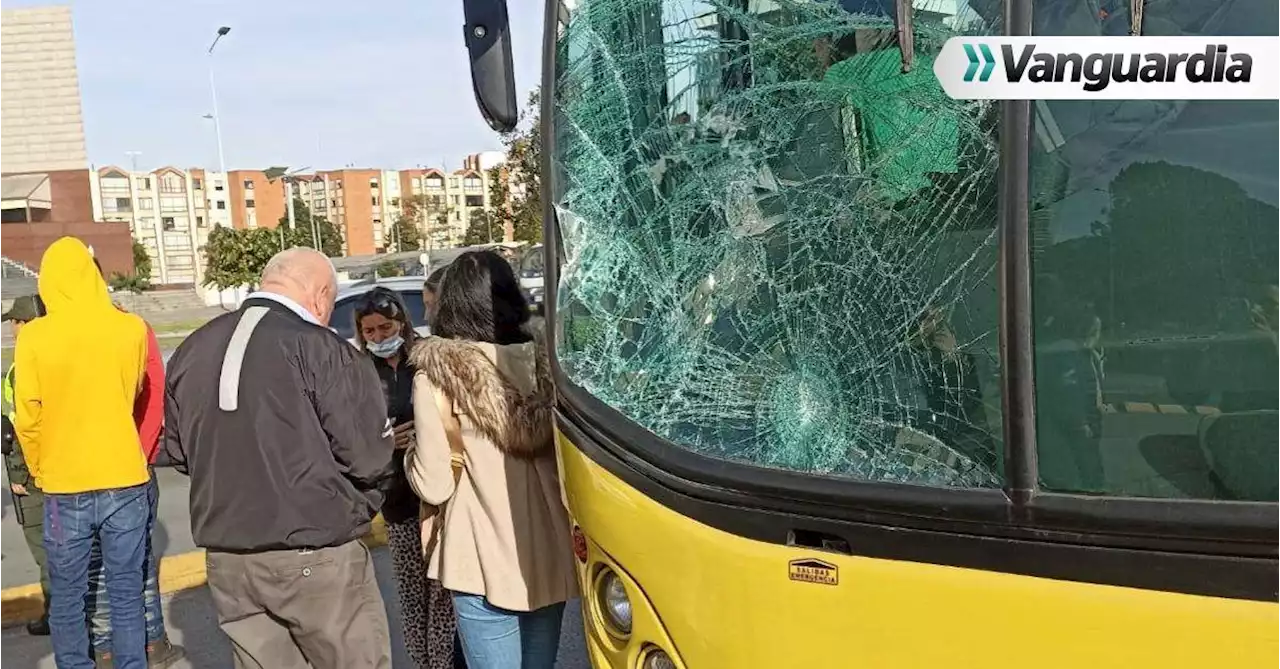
213, 93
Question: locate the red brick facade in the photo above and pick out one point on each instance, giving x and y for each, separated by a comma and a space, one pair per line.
112, 244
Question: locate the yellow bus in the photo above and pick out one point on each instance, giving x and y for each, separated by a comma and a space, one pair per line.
851, 374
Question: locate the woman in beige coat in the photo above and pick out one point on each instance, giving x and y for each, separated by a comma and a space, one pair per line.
484, 456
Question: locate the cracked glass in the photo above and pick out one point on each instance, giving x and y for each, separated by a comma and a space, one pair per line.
779, 234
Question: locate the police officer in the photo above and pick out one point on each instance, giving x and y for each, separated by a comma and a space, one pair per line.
28, 500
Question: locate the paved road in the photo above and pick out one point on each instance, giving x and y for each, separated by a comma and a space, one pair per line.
172, 535
192, 623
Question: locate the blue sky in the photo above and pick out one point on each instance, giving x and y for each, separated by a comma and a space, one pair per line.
321, 84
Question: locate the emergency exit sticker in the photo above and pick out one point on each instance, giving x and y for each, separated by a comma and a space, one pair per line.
810, 570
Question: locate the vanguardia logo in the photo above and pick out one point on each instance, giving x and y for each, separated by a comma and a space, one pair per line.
1097, 71
988, 62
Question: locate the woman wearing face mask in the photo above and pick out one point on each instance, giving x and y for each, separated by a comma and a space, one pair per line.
383, 329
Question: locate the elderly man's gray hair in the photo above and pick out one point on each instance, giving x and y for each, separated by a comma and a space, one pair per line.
298, 266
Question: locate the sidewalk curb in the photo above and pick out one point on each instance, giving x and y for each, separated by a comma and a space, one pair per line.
24, 603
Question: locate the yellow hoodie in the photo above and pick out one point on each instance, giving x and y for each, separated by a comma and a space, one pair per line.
78, 371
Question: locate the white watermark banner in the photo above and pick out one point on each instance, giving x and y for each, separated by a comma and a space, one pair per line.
1110, 68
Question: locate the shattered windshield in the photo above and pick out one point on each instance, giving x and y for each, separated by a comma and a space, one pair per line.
779, 234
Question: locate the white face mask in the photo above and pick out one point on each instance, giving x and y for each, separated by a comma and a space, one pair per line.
385, 348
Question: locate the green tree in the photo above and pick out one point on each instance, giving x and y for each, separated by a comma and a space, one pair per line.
141, 261
389, 268
524, 169
404, 235
236, 257
303, 233
483, 227
427, 212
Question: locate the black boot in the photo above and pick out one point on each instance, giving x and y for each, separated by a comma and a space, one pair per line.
162, 653
39, 627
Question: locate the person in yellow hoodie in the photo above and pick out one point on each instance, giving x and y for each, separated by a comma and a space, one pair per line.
78, 371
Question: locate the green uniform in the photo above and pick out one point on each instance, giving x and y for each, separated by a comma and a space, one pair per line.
28, 508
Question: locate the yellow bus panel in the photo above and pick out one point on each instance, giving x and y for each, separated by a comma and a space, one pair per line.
725, 601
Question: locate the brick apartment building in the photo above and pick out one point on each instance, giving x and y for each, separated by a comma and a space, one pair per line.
365, 203
169, 211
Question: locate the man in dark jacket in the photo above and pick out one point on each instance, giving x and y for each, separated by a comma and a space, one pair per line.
28, 499
281, 425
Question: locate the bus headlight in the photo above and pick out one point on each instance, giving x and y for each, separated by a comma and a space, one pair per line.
657, 658
611, 598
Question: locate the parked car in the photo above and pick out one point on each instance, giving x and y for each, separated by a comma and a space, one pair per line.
531, 276
408, 287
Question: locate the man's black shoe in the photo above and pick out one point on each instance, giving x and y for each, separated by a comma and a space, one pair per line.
162, 653
38, 627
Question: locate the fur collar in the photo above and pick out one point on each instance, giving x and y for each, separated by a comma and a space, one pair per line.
519, 424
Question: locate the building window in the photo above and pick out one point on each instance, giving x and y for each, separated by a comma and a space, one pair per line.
197, 184
144, 183
144, 203
171, 183
199, 221
453, 182
374, 200
435, 183
472, 182
217, 185
167, 223
416, 184
249, 204
333, 203
222, 204
475, 200
248, 184
395, 202
124, 204
373, 183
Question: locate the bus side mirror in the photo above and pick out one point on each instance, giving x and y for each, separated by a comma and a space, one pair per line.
488, 39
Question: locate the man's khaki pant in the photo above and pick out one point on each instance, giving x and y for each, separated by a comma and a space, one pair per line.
285, 609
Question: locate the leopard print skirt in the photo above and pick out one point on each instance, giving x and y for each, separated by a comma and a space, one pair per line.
426, 608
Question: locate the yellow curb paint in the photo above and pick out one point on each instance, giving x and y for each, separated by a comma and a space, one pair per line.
21, 604
24, 603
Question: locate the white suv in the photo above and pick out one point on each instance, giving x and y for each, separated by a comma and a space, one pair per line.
408, 287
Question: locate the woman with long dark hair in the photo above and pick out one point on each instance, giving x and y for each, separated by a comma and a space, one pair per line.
482, 406
431, 291
384, 330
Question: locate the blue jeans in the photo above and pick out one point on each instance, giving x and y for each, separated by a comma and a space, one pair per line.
99, 604
118, 519
494, 638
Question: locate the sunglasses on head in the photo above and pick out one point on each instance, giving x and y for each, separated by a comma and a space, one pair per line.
381, 303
